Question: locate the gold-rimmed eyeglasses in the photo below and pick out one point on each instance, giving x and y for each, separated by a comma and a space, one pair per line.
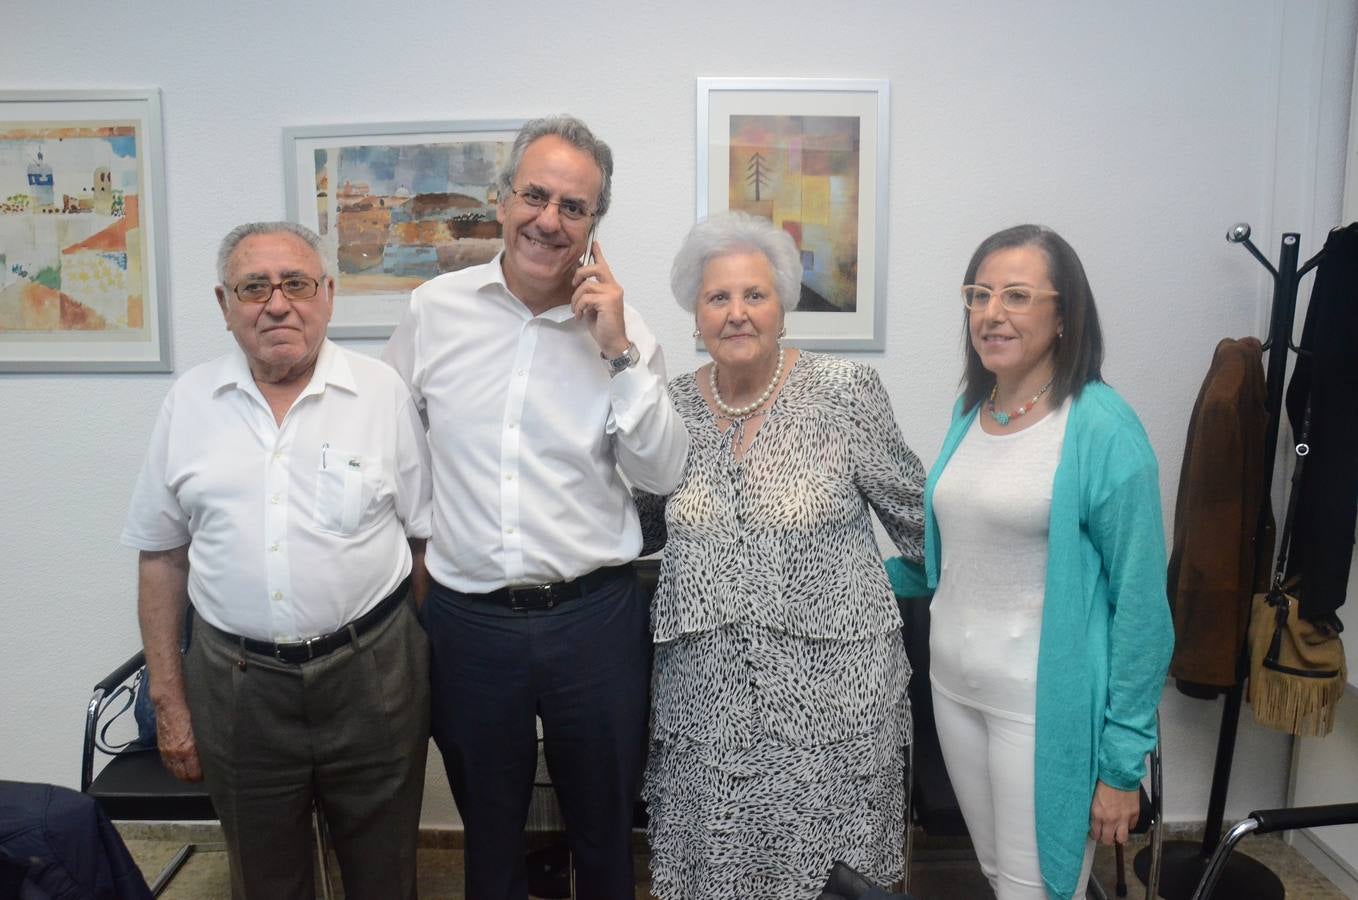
259, 290
575, 210
1015, 298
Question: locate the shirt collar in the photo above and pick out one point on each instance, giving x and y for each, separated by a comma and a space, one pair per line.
332, 367
494, 277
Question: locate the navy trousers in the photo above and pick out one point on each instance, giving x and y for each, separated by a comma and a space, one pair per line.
584, 669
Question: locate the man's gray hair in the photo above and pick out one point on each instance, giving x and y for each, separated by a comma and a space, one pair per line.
249, 229
572, 131
727, 233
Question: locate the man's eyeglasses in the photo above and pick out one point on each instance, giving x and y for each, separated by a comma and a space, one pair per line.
537, 198
259, 290
1015, 298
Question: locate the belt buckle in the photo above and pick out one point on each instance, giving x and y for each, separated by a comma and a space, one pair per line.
531, 597
279, 649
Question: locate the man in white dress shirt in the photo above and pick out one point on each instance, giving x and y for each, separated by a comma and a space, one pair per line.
285, 496
542, 391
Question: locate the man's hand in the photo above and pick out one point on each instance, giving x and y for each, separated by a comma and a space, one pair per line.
598, 301
174, 736
1113, 814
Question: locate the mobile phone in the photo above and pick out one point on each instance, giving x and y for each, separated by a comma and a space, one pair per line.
588, 258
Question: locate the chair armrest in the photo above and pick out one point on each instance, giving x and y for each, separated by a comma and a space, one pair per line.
1305, 817
111, 681
106, 686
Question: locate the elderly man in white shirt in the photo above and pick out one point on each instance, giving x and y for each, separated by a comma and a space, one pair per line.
542, 391
285, 498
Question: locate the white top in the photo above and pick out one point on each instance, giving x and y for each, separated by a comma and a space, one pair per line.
993, 504
293, 530
528, 433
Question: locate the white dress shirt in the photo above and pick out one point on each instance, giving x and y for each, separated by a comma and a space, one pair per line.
528, 433
293, 530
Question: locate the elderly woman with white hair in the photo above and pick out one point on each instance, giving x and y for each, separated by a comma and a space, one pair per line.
780, 719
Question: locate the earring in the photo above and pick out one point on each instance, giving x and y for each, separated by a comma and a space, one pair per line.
782, 333
697, 333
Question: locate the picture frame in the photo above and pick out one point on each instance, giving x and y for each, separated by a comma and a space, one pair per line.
395, 204
811, 154
83, 284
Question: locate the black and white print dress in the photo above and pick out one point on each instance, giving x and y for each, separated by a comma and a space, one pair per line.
779, 710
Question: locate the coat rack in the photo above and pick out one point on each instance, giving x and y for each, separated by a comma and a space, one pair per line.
1183, 862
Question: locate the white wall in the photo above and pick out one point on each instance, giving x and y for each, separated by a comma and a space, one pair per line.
1140, 131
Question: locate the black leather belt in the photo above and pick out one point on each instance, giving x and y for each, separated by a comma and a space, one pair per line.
528, 597
313, 648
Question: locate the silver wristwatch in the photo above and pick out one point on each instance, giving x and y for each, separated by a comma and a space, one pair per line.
630, 357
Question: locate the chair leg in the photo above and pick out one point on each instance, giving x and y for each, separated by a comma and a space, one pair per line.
322, 833
909, 814
171, 869
1120, 868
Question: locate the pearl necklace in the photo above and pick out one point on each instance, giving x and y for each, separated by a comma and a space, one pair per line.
731, 412
1003, 417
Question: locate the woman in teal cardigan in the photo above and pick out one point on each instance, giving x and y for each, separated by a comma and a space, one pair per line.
1045, 554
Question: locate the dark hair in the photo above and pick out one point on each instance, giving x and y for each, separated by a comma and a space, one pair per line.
1078, 358
572, 131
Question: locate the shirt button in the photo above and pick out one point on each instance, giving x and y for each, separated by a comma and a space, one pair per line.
509, 530
521, 373
513, 425
274, 499
278, 454
509, 478
273, 547
278, 595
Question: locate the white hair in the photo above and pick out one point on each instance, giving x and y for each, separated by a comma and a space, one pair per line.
249, 229
727, 233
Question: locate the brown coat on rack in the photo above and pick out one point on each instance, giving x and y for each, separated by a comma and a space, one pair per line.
1215, 567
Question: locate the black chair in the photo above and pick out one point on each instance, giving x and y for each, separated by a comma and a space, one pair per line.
134, 786
930, 802
1265, 821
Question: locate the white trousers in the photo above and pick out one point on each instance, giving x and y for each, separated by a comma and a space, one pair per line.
990, 762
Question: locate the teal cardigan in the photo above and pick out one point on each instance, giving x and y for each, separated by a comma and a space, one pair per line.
1106, 632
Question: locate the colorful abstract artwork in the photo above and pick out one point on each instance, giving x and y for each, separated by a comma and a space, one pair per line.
76, 268
810, 155
801, 172
396, 205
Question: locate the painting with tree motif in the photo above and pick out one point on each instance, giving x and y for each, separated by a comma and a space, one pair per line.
810, 155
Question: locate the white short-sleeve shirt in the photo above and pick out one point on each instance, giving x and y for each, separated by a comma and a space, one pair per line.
293, 529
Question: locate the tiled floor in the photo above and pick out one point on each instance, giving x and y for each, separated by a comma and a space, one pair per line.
942, 871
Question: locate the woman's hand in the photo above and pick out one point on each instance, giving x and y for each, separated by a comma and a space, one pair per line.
1113, 814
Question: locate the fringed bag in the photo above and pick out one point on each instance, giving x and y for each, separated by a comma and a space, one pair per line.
1297, 670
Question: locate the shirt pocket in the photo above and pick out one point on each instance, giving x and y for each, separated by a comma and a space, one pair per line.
346, 485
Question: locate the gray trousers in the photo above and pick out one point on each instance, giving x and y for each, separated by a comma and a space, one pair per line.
349, 730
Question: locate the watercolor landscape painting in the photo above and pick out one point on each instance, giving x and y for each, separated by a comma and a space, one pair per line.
70, 234
395, 205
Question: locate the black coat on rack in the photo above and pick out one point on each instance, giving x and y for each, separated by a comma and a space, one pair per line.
1327, 369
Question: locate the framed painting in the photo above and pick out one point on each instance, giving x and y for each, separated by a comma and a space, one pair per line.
395, 204
82, 232
809, 154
